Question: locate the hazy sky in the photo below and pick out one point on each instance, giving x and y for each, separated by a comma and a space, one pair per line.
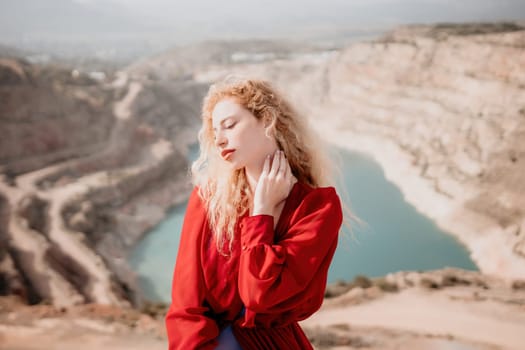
160, 23
251, 16
393, 11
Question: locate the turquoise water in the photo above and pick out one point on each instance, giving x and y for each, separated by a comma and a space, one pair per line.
396, 237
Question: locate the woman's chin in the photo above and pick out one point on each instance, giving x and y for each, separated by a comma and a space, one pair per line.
232, 165
236, 166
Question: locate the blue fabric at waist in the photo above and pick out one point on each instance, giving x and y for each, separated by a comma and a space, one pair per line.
227, 340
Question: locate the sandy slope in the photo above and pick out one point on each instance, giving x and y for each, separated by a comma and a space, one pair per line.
66, 338
436, 313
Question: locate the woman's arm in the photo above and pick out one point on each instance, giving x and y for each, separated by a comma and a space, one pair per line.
186, 324
273, 276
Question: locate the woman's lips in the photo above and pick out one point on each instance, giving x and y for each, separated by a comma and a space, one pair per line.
227, 153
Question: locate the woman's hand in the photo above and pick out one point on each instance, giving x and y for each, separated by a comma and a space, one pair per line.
274, 184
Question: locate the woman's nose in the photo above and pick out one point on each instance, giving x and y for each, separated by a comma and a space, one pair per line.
220, 140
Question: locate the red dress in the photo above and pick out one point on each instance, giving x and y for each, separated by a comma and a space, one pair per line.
278, 276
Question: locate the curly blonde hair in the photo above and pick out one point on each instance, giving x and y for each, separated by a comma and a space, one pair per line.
226, 192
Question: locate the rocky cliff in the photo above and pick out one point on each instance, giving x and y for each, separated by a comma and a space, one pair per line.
88, 165
442, 108
96, 163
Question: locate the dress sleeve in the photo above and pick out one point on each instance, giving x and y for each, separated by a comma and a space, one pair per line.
186, 322
276, 276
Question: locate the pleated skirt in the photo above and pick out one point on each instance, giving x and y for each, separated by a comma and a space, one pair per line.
289, 337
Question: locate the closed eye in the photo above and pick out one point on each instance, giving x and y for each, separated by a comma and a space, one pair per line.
226, 127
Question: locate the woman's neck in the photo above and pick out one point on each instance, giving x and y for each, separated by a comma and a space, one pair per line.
252, 176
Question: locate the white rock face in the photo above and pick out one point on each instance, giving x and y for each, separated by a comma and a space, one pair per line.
443, 111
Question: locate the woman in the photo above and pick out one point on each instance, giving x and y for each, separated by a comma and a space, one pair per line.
260, 231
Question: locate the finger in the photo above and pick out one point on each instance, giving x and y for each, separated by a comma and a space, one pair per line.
287, 168
289, 173
275, 164
266, 166
282, 167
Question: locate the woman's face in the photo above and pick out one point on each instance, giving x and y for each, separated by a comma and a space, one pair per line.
240, 137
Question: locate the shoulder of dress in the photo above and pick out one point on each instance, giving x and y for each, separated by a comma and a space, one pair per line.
313, 198
316, 205
318, 193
